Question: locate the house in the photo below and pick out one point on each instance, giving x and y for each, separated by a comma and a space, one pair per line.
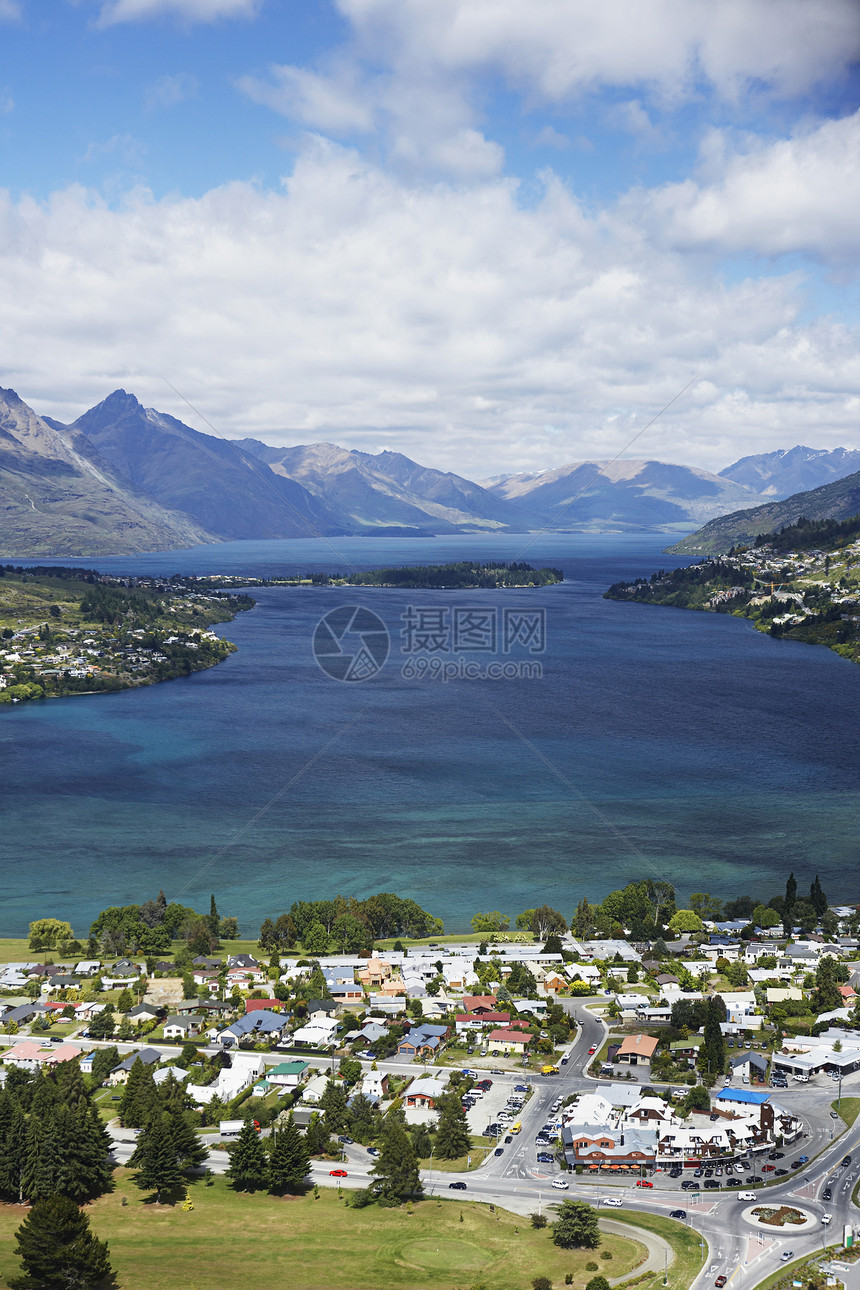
287, 1074
31, 1055
508, 1040
478, 1003
183, 1027
748, 1066
374, 1085
243, 1072
466, 1021
422, 1039
166, 1072
637, 1049
207, 964
87, 967
613, 1145
314, 1089
554, 981
262, 1024
246, 961
375, 973
143, 1012
318, 1009
119, 1074
321, 1032
255, 1005
342, 994
650, 1111
686, 1050
370, 1032
425, 1093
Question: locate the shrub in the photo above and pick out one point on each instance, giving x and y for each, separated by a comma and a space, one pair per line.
541, 1283
538, 1220
591, 1267
597, 1283
606, 1254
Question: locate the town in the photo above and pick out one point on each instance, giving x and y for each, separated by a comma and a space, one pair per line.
718, 1059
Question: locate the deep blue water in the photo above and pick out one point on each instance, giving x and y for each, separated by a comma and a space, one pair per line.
659, 742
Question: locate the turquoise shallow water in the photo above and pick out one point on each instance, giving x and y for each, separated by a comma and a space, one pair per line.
661, 742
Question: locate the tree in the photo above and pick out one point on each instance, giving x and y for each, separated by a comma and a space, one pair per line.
214, 918
125, 1002
712, 1057
46, 933
576, 1226
546, 920
698, 1099
826, 995
553, 944
139, 1096
597, 1283
764, 916
249, 1164
789, 903
684, 920
524, 920
333, 1102
452, 1136
396, 1166
494, 921
289, 1161
102, 1025
316, 940
317, 1136
705, 905
57, 1249
155, 1158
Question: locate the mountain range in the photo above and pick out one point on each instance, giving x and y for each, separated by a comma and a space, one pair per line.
125, 479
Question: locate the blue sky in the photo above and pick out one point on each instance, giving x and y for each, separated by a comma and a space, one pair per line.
493, 235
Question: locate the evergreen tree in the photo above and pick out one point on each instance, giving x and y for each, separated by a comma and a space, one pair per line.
13, 1155
452, 1137
576, 1226
57, 1249
43, 1158
104, 1061
190, 1151
249, 1165
214, 917
396, 1167
155, 1160
789, 903
102, 1024
817, 898
125, 1002
317, 1136
714, 1047
289, 1160
333, 1102
364, 1119
139, 1096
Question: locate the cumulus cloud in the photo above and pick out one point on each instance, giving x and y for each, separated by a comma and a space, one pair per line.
561, 49
438, 319
798, 194
10, 11
170, 90
115, 11
323, 102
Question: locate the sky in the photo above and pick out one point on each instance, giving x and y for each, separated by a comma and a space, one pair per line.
495, 235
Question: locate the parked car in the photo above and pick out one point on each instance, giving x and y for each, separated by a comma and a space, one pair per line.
711, 1182
344, 1138
372, 1151
545, 1157
592, 1050
803, 1160
457, 1186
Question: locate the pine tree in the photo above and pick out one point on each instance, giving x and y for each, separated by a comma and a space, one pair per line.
139, 1097
13, 1155
161, 906
155, 1160
43, 1158
214, 918
396, 1167
817, 898
249, 1165
317, 1135
452, 1138
58, 1250
789, 904
190, 1151
104, 1061
714, 1045
333, 1102
102, 1025
289, 1161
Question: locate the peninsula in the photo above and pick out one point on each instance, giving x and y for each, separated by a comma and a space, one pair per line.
801, 583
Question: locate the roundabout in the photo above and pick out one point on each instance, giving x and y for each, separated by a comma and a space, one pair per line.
779, 1220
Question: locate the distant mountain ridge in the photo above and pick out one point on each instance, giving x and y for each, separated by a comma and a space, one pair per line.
839, 500
626, 495
793, 470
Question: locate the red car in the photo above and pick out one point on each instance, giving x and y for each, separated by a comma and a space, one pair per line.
643, 1182
337, 1173
720, 1282
768, 1169
592, 1050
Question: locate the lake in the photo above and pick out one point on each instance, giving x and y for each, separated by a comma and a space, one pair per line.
657, 742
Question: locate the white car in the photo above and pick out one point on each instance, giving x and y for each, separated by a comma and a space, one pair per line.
560, 1184
826, 1218
614, 1201
746, 1195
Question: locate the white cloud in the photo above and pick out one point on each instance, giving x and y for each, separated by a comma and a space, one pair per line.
558, 48
170, 90
444, 320
323, 102
114, 11
799, 194
123, 147
10, 11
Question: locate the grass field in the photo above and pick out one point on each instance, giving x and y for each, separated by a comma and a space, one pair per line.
14, 950
257, 1242
848, 1108
684, 1241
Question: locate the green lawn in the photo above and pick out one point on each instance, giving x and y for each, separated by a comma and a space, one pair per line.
683, 1240
848, 1108
258, 1241
14, 950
